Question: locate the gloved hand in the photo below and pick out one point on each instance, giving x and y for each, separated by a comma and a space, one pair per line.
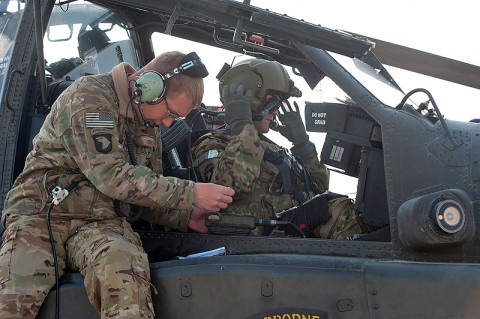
237, 107
292, 125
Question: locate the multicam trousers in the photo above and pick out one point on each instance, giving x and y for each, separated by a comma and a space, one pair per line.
107, 253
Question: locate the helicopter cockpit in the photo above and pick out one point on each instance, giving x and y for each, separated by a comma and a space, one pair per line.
78, 44
86, 40
414, 174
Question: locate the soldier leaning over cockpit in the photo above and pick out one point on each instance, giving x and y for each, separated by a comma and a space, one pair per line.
267, 178
98, 152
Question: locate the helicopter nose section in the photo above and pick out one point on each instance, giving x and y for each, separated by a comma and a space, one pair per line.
441, 219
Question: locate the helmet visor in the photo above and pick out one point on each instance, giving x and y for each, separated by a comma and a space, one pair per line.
271, 105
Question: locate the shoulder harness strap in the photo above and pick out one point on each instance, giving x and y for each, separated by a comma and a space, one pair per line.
285, 163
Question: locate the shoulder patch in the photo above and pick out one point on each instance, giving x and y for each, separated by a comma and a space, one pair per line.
103, 142
98, 120
207, 155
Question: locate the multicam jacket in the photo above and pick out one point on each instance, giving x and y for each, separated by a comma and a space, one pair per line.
238, 161
83, 139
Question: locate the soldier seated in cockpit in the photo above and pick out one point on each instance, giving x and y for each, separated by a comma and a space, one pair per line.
269, 179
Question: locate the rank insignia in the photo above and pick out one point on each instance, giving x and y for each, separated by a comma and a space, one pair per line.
103, 142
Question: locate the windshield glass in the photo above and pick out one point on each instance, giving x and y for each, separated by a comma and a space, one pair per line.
371, 80
10, 14
82, 39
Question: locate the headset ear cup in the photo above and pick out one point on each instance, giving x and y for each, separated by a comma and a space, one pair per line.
150, 87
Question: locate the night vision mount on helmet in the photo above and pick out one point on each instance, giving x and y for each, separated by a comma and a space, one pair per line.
264, 78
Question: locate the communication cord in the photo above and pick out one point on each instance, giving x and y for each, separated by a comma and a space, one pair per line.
55, 262
131, 153
437, 110
58, 194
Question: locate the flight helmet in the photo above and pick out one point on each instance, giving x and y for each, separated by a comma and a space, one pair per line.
263, 78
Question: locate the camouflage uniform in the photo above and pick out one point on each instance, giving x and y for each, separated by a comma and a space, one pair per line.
83, 139
238, 161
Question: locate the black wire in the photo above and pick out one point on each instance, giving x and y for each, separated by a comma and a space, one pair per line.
126, 112
409, 94
297, 228
133, 159
60, 4
435, 107
133, 97
130, 149
55, 262
54, 252
190, 153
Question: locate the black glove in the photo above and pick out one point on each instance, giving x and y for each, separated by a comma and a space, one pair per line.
237, 107
292, 125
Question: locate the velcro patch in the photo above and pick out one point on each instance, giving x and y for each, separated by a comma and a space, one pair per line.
207, 155
103, 142
98, 120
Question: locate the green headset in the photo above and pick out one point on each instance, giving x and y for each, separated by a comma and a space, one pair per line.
151, 86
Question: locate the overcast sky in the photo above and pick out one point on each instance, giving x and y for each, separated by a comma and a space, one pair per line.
446, 28
442, 27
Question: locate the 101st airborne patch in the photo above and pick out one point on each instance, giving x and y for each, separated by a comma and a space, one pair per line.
103, 142
101, 127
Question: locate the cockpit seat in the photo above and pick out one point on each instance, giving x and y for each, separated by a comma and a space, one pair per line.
74, 303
